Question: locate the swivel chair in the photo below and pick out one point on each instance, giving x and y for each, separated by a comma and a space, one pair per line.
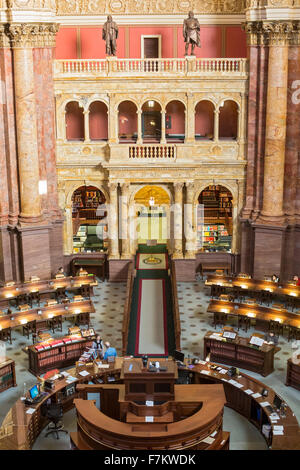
54, 412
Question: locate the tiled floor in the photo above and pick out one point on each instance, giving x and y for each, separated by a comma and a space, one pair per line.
195, 321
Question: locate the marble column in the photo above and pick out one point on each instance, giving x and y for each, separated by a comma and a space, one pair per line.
292, 160
177, 217
216, 124
86, 126
163, 127
26, 119
189, 223
113, 121
276, 115
125, 236
139, 137
113, 222
190, 119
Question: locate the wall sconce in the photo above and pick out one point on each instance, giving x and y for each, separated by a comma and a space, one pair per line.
151, 104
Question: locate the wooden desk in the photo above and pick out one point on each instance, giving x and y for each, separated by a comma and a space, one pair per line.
19, 430
141, 383
7, 374
285, 289
45, 287
96, 266
240, 353
254, 312
70, 310
293, 374
213, 266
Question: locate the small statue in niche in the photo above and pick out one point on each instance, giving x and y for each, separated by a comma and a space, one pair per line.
110, 35
191, 33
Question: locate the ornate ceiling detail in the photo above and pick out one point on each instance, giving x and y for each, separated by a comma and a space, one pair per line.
140, 7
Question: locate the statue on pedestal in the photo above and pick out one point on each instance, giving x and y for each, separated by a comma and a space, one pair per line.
191, 33
110, 35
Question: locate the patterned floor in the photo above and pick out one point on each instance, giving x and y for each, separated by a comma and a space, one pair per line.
195, 322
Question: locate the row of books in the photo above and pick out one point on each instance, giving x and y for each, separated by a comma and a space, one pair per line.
57, 342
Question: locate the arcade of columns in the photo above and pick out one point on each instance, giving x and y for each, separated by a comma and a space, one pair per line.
31, 224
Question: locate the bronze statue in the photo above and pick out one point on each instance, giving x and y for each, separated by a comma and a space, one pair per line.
110, 35
191, 33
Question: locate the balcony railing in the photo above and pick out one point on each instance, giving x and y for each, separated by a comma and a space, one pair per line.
147, 152
113, 67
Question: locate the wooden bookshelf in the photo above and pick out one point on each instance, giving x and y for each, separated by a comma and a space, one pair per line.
239, 353
293, 374
7, 375
57, 356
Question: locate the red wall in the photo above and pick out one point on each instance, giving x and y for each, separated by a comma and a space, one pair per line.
176, 110
98, 121
204, 118
228, 120
86, 42
127, 112
74, 122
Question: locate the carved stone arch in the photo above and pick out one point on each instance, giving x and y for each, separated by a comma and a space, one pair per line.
206, 98
232, 187
77, 184
122, 100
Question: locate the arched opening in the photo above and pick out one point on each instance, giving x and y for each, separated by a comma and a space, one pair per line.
151, 121
215, 228
228, 121
74, 121
98, 121
128, 122
152, 204
175, 121
89, 221
204, 120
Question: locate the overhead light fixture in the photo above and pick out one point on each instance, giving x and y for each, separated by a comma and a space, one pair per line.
151, 104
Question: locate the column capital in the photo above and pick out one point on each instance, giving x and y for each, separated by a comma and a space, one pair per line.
112, 186
125, 188
178, 185
31, 35
272, 33
4, 39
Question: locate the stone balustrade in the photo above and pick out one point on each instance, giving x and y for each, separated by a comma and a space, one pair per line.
113, 67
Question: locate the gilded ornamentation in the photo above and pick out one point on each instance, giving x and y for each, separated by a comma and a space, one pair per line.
103, 7
31, 4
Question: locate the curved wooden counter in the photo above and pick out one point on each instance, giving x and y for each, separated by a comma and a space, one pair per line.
101, 432
19, 430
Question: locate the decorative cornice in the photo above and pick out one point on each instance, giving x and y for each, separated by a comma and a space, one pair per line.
163, 7
273, 33
32, 35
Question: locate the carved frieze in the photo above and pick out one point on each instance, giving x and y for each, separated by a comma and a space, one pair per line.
103, 7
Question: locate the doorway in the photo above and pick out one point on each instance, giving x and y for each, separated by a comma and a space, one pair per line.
151, 47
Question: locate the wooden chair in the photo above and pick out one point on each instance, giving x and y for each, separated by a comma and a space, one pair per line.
85, 291
276, 327
216, 291
34, 297
244, 322
5, 335
22, 299
293, 333
55, 323
265, 297
29, 327
219, 319
83, 319
60, 293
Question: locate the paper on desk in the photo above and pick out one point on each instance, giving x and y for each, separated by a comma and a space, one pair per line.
256, 395
278, 433
249, 392
30, 411
149, 403
278, 428
84, 373
103, 366
149, 419
265, 403
213, 434
65, 374
208, 440
206, 372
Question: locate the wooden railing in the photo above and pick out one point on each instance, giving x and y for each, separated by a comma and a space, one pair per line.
113, 67
158, 151
127, 307
176, 315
